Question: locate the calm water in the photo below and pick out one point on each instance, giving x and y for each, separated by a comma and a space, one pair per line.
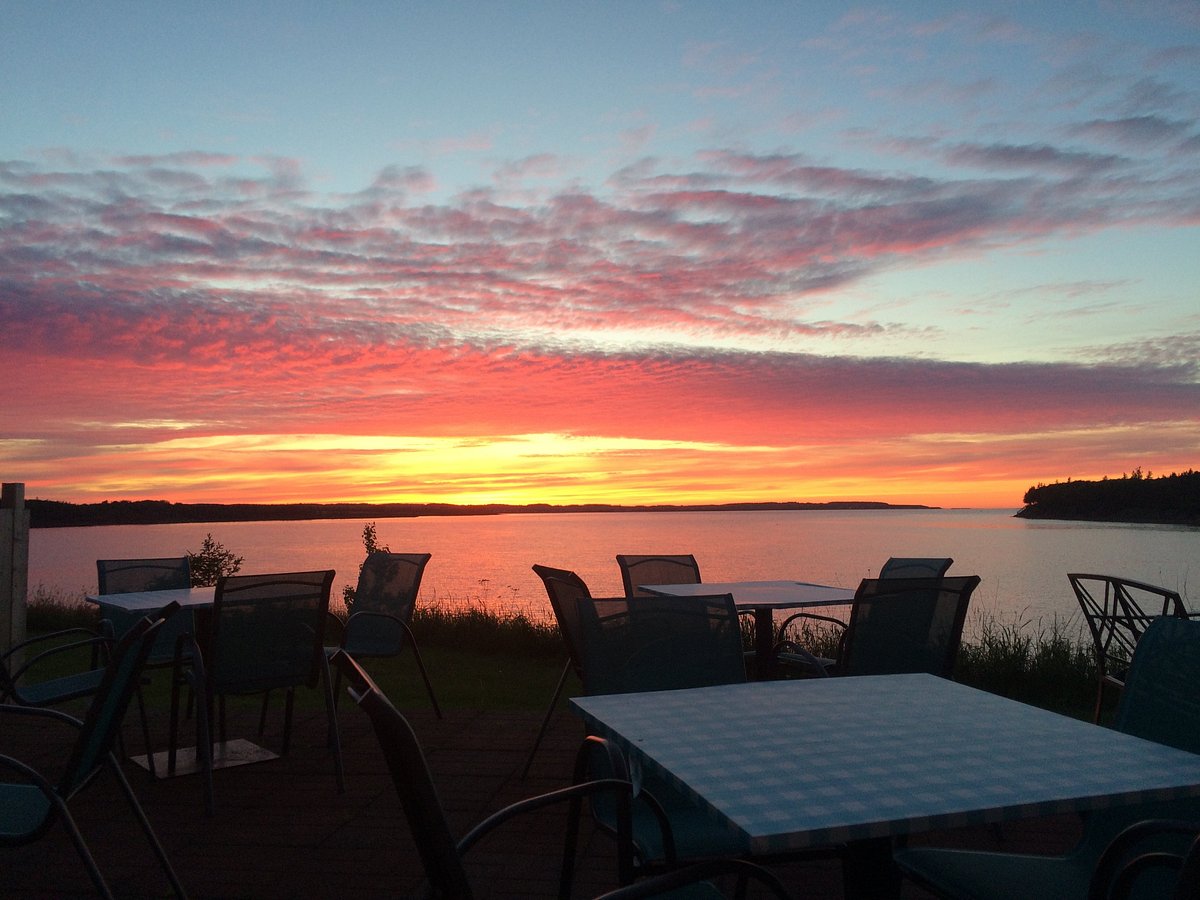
486, 559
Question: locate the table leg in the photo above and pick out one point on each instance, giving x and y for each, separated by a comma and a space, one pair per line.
764, 643
869, 872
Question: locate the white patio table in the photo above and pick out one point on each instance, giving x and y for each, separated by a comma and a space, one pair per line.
790, 765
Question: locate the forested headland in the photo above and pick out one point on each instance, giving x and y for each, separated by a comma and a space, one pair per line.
1136, 497
59, 514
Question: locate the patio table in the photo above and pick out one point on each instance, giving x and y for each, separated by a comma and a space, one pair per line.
762, 598
790, 765
183, 760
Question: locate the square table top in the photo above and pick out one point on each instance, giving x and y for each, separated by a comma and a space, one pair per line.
148, 601
796, 764
761, 594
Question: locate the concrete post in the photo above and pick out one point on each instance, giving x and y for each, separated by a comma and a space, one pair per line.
14, 564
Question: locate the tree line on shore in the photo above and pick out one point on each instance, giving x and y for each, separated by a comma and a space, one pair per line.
1137, 497
60, 514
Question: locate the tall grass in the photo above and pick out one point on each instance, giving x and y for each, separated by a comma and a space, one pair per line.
1046, 665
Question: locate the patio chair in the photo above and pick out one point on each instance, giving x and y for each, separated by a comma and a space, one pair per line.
1137, 864
915, 567
656, 643
267, 633
1117, 611
1157, 704
31, 804
123, 576
381, 621
636, 570
565, 589
897, 626
443, 858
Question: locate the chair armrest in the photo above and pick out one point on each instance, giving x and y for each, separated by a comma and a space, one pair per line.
101, 646
1118, 866
618, 767
700, 872
530, 804
53, 635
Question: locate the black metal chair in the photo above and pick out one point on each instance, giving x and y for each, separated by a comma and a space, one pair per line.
915, 567
443, 857
1158, 704
564, 588
1118, 611
656, 643
661, 569
32, 804
267, 633
124, 576
380, 623
897, 626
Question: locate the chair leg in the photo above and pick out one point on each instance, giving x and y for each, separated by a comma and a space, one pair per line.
537, 742
428, 685
334, 736
262, 713
288, 705
148, 830
141, 703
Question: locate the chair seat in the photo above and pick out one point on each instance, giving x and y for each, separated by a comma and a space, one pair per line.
59, 690
23, 807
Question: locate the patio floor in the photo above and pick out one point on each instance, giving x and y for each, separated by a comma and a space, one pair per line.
281, 829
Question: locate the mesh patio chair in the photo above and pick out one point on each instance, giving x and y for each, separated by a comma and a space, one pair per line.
636, 570
895, 567
656, 643
915, 567
123, 576
897, 626
565, 589
32, 804
1159, 703
1117, 611
443, 857
381, 622
267, 633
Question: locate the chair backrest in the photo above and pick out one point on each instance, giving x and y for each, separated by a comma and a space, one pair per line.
565, 589
659, 643
388, 583
1118, 611
121, 678
124, 576
268, 631
635, 570
414, 784
906, 625
915, 567
1160, 701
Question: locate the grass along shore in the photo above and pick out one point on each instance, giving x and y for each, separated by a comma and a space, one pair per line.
479, 659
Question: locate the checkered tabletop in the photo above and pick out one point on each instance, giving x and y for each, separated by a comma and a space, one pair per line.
795, 764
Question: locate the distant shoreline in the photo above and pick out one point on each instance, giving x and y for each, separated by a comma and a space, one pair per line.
57, 514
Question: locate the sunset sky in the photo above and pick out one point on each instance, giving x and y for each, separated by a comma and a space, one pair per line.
625, 252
